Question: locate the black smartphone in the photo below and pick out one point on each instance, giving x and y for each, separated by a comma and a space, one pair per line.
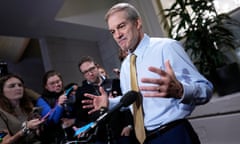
36, 113
116, 89
37, 110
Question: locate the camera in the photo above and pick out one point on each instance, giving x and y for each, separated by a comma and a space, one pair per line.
3, 68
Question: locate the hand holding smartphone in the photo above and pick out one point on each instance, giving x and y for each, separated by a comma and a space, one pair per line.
46, 116
2, 135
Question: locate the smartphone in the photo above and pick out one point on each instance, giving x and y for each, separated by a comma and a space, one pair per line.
37, 110
46, 116
35, 114
116, 89
2, 134
68, 91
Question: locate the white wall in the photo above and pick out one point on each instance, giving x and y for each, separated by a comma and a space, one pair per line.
64, 54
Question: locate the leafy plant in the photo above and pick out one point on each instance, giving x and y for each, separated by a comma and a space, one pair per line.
205, 34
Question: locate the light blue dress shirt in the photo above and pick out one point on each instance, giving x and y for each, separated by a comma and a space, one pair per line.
155, 52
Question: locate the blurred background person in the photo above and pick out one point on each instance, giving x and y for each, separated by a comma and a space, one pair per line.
16, 109
52, 101
68, 118
102, 71
121, 56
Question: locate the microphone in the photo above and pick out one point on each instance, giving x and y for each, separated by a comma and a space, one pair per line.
125, 101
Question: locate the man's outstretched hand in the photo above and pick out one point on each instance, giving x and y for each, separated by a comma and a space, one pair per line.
95, 102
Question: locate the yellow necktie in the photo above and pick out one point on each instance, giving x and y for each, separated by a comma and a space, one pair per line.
137, 106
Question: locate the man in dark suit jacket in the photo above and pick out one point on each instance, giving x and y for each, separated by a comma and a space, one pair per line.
118, 127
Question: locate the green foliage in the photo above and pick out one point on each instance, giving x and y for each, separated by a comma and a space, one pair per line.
206, 34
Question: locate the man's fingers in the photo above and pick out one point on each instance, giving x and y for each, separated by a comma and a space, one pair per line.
152, 80
169, 69
87, 101
161, 72
88, 106
89, 95
156, 70
150, 88
154, 94
102, 91
74, 128
92, 111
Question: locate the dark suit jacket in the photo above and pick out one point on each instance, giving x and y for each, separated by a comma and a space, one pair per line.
116, 122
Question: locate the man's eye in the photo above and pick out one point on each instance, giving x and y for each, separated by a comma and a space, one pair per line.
112, 31
121, 26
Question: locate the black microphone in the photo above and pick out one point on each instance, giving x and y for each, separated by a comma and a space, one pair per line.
125, 101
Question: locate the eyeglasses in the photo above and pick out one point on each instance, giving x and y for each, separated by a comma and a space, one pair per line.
91, 69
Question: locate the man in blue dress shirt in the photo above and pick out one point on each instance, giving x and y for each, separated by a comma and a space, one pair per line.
170, 84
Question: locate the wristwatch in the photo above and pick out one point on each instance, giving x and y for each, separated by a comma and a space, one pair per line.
25, 129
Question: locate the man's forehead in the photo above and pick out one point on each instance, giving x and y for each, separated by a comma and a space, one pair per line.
116, 19
87, 64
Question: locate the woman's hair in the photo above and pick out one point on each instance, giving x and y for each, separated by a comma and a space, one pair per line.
49, 74
25, 102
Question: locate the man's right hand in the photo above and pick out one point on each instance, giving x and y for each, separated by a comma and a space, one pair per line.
95, 102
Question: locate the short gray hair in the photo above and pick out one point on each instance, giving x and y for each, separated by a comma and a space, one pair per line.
131, 11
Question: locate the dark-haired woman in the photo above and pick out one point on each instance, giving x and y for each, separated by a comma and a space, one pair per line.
52, 101
15, 110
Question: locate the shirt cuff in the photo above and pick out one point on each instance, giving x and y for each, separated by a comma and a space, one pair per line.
114, 101
187, 94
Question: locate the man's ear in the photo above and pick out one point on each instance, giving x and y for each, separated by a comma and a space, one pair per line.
139, 23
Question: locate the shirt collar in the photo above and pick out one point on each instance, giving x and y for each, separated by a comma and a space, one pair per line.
101, 78
142, 46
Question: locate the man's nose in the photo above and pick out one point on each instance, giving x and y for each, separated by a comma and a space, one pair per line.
118, 34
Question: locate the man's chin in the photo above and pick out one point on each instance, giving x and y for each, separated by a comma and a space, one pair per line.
124, 48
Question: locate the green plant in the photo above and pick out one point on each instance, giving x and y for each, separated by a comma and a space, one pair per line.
205, 34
